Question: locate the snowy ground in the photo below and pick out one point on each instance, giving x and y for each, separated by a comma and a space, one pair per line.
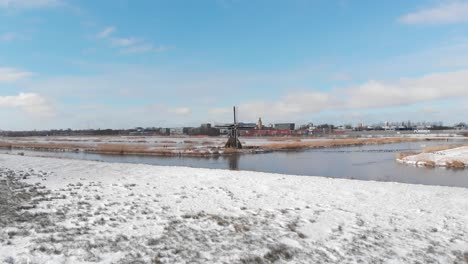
58, 211
439, 158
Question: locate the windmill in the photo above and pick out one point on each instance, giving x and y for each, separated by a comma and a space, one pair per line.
233, 141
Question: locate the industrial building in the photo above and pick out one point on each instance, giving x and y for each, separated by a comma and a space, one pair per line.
285, 126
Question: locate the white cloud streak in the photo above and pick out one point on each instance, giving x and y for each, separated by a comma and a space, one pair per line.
123, 42
105, 33
130, 45
12, 74
445, 13
31, 103
144, 48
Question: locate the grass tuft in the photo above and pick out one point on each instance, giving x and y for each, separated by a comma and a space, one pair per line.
403, 155
427, 163
456, 164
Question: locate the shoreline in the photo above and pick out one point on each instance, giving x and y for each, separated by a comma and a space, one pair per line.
141, 149
452, 157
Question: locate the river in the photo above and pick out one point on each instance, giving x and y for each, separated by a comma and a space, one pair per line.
368, 162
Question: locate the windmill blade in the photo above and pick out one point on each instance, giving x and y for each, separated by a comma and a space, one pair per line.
235, 116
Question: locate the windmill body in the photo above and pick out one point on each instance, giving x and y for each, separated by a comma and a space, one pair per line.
233, 141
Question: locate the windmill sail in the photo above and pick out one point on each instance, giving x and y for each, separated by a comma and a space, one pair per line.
233, 141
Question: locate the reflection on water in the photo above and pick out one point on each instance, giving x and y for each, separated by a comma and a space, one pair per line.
233, 162
371, 162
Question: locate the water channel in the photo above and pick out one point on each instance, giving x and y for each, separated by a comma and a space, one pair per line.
367, 162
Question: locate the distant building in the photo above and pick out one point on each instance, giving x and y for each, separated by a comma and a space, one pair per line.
205, 126
203, 130
260, 124
285, 126
177, 131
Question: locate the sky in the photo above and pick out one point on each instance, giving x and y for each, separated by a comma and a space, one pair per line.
165, 63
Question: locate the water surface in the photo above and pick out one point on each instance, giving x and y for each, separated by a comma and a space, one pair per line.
368, 162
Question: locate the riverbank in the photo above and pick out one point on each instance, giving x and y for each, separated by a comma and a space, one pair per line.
185, 146
84, 211
455, 157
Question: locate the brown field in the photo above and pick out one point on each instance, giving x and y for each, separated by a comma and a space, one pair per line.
121, 148
6, 145
108, 148
275, 139
335, 143
42, 146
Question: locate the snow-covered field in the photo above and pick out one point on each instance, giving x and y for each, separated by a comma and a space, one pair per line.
70, 211
441, 158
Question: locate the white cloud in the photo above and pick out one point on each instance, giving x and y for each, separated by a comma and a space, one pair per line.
12, 74
445, 13
31, 103
181, 111
106, 32
292, 105
28, 3
123, 42
144, 48
407, 91
370, 95
130, 45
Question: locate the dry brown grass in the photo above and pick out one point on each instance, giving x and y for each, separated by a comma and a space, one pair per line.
276, 139
403, 155
42, 146
5, 145
335, 143
107, 148
427, 163
231, 151
168, 142
456, 164
442, 148
126, 149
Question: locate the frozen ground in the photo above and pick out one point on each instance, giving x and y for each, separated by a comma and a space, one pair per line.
439, 158
59, 211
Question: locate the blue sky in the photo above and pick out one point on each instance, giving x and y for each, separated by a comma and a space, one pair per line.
122, 63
